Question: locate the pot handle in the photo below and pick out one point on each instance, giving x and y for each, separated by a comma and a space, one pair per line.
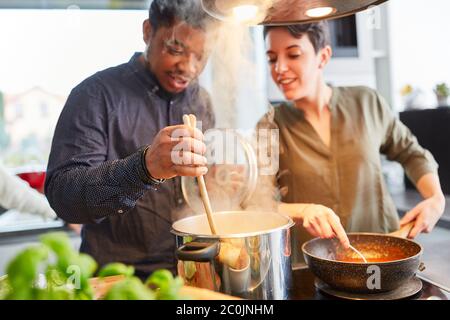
198, 251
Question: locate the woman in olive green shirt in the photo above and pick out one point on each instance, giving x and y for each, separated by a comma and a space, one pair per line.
330, 144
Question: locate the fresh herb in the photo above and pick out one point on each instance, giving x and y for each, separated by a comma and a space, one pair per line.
53, 270
116, 269
130, 288
167, 287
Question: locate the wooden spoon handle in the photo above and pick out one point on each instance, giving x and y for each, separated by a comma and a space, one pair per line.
404, 231
206, 204
191, 121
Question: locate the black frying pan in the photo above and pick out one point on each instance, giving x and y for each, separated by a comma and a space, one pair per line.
392, 261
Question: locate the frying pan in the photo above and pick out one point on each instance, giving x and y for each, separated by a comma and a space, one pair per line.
392, 261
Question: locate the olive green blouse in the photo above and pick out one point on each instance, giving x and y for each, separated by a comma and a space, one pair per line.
347, 176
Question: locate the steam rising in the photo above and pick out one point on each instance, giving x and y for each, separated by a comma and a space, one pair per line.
237, 88
238, 92
233, 73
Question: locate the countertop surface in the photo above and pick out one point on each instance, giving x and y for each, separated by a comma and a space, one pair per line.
303, 288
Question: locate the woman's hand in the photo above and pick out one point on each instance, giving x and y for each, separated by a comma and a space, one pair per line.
425, 215
318, 220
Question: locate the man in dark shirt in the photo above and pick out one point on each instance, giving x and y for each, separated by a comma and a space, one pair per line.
112, 148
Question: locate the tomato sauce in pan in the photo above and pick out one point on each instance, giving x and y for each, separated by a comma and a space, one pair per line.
372, 254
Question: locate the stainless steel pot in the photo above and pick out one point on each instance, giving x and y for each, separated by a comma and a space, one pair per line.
249, 258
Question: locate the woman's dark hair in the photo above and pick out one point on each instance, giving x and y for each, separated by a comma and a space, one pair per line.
318, 33
165, 13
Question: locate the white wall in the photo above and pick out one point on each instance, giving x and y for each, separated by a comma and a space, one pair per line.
419, 45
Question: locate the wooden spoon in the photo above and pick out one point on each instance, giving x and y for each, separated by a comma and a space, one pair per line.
191, 121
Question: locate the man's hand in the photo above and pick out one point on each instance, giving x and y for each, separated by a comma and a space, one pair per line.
177, 151
318, 220
425, 215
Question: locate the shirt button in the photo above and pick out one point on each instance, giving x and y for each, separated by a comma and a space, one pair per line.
180, 201
120, 211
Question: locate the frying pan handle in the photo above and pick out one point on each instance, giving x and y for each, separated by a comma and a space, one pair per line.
404, 231
198, 251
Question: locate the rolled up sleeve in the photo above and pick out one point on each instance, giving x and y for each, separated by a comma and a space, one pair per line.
399, 144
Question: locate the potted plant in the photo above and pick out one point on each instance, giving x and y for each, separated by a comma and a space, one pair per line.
442, 92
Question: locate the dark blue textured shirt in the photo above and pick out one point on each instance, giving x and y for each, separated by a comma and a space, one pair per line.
95, 176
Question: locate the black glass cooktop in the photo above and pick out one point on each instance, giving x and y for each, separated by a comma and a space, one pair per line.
304, 288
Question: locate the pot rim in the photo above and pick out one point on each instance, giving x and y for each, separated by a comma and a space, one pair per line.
418, 255
290, 223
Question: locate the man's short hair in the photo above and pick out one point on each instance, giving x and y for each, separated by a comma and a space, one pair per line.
318, 33
166, 13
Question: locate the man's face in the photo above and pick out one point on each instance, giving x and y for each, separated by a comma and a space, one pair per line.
176, 55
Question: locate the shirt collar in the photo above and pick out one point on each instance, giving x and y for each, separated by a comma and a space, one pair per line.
150, 79
334, 97
331, 105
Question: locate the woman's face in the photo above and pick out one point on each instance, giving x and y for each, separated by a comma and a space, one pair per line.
295, 66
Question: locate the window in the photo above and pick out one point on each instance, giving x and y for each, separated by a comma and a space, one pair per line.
39, 69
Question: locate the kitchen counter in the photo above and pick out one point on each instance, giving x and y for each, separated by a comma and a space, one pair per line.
303, 288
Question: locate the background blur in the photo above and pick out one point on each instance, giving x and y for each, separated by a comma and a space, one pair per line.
47, 47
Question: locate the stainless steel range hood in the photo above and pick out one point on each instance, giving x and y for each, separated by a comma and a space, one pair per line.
279, 12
